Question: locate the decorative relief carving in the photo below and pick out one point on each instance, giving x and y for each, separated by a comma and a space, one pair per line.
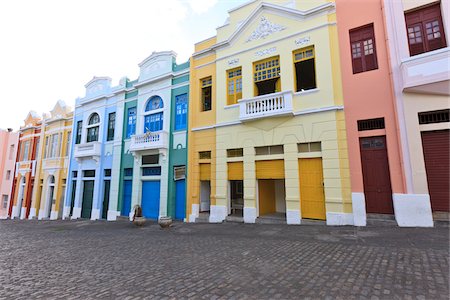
233, 62
303, 41
266, 51
264, 29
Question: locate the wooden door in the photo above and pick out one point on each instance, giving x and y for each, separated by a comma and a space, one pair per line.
105, 204
312, 195
88, 196
180, 199
127, 190
376, 178
436, 152
150, 199
266, 194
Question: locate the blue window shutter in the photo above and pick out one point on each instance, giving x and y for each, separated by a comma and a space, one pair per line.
180, 112
131, 124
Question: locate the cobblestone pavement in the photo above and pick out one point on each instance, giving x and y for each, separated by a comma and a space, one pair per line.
85, 260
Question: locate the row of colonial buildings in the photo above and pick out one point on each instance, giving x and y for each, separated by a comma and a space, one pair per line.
294, 110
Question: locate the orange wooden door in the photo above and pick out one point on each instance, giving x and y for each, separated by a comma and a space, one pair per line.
266, 193
312, 196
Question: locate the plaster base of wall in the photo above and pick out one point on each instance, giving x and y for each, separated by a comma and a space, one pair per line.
293, 217
76, 213
41, 214
112, 215
95, 214
54, 215
413, 210
23, 212
194, 213
32, 214
359, 209
217, 213
14, 213
3, 217
131, 215
249, 214
66, 212
339, 219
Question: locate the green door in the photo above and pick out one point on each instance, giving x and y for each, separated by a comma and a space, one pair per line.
88, 195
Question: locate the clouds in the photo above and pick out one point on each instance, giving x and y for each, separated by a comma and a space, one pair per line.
51, 48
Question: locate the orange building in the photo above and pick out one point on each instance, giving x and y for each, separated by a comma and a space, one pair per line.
25, 167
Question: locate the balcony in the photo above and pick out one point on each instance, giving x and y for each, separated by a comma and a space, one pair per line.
150, 140
270, 105
88, 150
427, 73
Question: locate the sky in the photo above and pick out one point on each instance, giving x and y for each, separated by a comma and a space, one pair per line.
49, 49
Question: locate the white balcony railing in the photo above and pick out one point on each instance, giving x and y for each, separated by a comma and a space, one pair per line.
270, 105
92, 149
152, 140
427, 72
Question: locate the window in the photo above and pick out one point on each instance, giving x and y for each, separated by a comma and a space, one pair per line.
204, 155
181, 111
239, 152
25, 151
36, 150
107, 172
268, 150
150, 159
111, 125
363, 50
11, 152
179, 173
206, 85
234, 85
309, 147
128, 172
74, 174
153, 122
54, 145
79, 128
5, 201
371, 124
154, 103
131, 123
89, 173
151, 171
425, 29
8, 175
69, 140
305, 70
93, 128
436, 116
267, 76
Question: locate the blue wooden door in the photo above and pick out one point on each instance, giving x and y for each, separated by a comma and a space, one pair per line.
150, 199
126, 205
180, 199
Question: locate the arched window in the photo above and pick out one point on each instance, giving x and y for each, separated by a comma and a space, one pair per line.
93, 128
153, 121
154, 103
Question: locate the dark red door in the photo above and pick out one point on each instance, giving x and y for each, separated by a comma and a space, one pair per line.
377, 181
436, 152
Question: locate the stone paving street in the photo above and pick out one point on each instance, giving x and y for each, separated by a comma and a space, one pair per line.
85, 260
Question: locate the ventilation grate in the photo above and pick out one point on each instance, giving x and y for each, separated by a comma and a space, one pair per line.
371, 124
437, 116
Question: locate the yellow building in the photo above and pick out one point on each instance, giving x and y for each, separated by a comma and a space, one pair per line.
273, 146
52, 164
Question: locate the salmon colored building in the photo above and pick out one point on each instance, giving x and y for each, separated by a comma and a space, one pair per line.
20, 203
418, 34
377, 168
8, 152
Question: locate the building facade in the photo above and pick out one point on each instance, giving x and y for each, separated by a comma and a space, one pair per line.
277, 118
417, 32
91, 156
52, 163
8, 152
29, 139
154, 139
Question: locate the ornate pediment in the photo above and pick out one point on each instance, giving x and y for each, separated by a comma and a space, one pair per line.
264, 29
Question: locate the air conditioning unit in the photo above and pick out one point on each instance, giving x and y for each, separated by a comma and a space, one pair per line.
179, 173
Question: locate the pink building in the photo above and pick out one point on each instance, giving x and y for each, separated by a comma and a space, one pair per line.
8, 151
